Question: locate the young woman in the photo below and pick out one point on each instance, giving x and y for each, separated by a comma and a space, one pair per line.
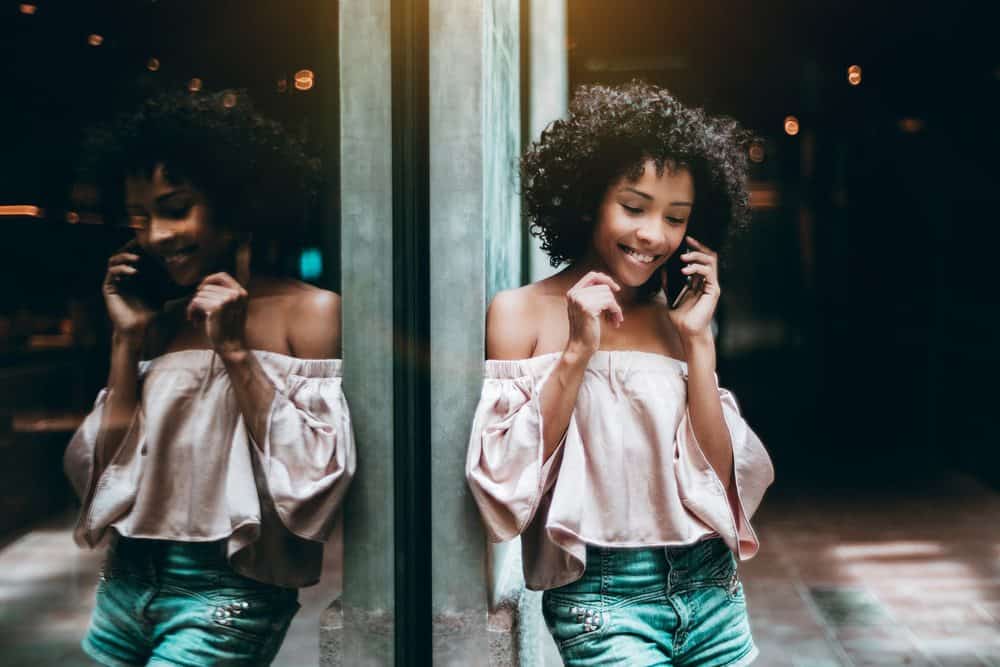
215, 459
602, 437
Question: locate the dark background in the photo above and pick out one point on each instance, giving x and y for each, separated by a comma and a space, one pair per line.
858, 318
863, 303
55, 85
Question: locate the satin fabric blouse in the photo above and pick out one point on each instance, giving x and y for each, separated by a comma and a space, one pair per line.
628, 472
189, 470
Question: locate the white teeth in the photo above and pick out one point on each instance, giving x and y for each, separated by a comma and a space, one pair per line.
646, 259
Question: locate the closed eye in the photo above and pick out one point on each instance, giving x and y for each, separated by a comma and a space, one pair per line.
631, 209
675, 221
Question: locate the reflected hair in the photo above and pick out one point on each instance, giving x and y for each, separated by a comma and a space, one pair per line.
254, 174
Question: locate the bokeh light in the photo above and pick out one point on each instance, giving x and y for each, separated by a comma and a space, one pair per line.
854, 75
194, 85
95, 40
304, 79
791, 125
153, 64
756, 152
28, 8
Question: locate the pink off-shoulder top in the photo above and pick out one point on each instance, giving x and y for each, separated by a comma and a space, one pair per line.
628, 472
189, 470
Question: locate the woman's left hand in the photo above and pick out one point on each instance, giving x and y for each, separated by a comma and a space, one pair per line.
693, 315
219, 307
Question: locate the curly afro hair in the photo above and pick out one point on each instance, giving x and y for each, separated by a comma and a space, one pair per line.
255, 175
611, 132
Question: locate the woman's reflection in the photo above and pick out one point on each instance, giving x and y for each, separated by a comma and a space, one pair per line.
216, 457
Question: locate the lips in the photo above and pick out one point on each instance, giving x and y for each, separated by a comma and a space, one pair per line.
637, 256
179, 256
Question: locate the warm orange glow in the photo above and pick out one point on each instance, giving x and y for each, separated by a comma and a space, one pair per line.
72, 217
24, 210
791, 125
763, 195
28, 8
153, 64
756, 152
229, 100
95, 40
911, 125
194, 85
304, 79
854, 75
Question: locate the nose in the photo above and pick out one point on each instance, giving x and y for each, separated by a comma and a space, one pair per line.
159, 232
650, 233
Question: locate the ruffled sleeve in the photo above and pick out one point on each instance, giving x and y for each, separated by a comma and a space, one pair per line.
504, 464
307, 455
703, 493
107, 494
78, 460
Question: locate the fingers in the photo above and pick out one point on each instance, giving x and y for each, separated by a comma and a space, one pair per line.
699, 257
597, 299
699, 269
119, 270
596, 278
698, 245
222, 279
122, 258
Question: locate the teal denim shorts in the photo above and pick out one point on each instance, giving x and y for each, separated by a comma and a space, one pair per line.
179, 603
678, 606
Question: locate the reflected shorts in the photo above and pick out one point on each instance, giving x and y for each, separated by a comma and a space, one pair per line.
678, 606
180, 603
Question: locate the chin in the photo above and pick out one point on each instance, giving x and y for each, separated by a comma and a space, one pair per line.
186, 277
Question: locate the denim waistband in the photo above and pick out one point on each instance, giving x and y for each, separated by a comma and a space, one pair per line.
194, 565
622, 572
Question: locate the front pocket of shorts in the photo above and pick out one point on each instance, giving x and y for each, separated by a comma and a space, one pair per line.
573, 621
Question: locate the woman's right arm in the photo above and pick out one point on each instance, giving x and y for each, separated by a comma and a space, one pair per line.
131, 320
523, 420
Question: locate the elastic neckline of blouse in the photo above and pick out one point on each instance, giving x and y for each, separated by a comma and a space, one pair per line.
601, 360
205, 358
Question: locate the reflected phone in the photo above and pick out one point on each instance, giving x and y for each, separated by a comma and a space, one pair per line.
151, 282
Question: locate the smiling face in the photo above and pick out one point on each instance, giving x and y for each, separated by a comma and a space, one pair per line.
641, 223
173, 224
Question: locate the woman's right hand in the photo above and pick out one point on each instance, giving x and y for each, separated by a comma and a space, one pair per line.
129, 314
588, 302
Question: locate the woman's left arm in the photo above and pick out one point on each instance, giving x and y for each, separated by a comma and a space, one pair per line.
692, 318
705, 407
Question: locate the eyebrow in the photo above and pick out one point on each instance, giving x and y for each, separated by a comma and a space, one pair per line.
650, 197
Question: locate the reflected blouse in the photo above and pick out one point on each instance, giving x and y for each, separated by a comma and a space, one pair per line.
189, 470
627, 473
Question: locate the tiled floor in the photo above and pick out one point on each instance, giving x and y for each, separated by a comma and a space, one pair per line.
878, 577
853, 579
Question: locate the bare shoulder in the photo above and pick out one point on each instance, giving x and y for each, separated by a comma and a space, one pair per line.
512, 323
311, 316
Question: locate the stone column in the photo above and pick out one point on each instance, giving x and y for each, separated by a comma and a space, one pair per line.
474, 135
547, 88
358, 629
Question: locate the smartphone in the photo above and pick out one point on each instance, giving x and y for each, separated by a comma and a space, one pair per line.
151, 282
678, 283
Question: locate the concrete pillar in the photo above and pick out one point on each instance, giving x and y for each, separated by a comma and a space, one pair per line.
358, 629
474, 135
547, 89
